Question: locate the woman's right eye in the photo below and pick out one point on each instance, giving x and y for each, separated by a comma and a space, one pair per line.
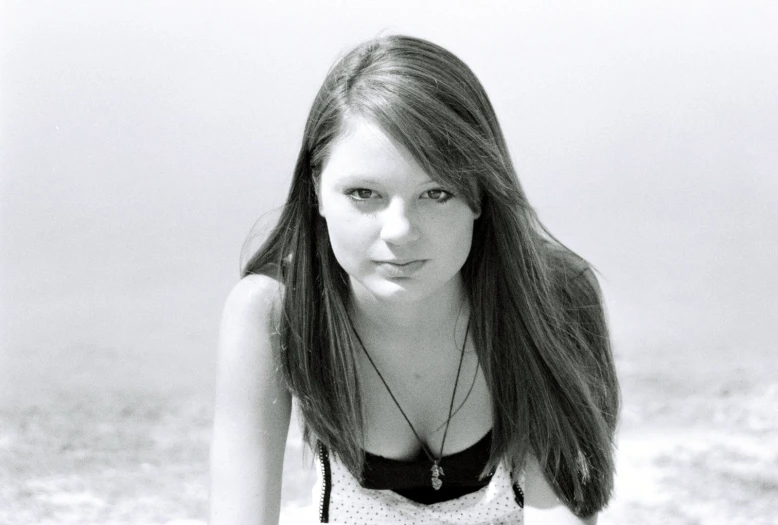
361, 194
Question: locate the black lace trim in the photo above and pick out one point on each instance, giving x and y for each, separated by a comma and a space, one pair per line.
324, 503
518, 495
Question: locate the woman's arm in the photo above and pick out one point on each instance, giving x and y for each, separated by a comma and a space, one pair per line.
252, 412
541, 504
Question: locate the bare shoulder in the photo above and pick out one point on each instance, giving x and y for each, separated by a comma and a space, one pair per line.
541, 504
249, 379
249, 326
256, 293
254, 302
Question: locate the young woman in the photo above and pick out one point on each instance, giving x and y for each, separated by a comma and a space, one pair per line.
449, 357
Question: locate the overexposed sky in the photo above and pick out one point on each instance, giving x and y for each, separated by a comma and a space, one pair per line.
140, 140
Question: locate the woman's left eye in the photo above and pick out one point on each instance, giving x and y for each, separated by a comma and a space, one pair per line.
438, 195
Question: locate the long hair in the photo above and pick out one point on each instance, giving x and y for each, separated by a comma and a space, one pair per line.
538, 323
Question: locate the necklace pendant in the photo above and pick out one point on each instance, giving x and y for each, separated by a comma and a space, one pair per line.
437, 471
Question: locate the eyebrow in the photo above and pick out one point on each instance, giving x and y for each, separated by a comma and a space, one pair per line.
353, 178
360, 177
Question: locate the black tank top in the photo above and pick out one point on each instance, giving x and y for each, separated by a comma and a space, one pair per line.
411, 478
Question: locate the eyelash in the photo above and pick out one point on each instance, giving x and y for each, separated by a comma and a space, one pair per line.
445, 195
354, 192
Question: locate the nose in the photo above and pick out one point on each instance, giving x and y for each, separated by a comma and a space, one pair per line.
398, 224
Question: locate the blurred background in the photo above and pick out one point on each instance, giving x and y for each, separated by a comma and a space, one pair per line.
142, 140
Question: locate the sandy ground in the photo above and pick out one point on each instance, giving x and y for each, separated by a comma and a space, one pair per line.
116, 460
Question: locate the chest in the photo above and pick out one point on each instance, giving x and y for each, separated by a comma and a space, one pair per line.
418, 394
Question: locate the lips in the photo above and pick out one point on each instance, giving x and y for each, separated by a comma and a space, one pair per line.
399, 269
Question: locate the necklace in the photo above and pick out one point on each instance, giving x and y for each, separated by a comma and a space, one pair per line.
436, 470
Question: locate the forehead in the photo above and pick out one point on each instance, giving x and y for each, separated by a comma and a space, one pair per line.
364, 151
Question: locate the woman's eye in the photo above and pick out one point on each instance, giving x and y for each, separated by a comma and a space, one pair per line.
361, 194
438, 195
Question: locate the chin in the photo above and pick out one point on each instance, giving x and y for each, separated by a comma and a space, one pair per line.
398, 290
392, 291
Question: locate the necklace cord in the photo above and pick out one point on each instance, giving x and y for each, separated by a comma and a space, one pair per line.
407, 420
454, 393
467, 396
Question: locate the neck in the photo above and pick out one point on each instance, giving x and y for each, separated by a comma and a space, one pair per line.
435, 313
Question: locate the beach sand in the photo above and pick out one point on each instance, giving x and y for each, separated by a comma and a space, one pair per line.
143, 460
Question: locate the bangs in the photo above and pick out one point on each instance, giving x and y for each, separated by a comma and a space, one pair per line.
450, 150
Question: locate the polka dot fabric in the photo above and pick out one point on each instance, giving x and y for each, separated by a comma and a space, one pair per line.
342, 500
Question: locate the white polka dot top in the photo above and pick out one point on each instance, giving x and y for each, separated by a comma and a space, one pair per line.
342, 500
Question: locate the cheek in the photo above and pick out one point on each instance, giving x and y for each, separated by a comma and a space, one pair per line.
461, 241
458, 241
454, 233
350, 238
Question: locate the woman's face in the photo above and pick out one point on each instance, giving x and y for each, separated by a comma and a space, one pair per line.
398, 234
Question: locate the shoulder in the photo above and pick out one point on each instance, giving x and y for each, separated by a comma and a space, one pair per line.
248, 350
249, 323
542, 504
256, 289
255, 297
